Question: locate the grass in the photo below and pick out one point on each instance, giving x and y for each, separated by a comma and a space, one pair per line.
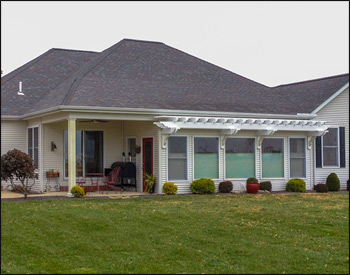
268, 233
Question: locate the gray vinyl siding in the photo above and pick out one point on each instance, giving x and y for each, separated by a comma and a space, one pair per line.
336, 113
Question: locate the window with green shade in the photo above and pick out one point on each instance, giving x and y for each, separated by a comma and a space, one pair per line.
272, 158
206, 158
297, 155
240, 157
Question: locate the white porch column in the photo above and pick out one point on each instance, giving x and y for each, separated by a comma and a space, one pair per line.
71, 153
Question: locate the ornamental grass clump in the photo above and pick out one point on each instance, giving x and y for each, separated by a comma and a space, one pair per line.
169, 188
202, 186
296, 185
225, 186
333, 182
78, 191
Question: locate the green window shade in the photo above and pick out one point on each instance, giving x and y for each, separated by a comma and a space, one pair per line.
272, 158
206, 166
272, 165
240, 157
240, 165
206, 158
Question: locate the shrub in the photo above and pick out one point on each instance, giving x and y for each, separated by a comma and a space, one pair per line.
78, 191
202, 186
17, 165
296, 185
333, 182
321, 188
169, 188
225, 186
150, 182
266, 185
348, 185
252, 180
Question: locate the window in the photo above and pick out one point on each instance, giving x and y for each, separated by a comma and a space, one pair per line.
131, 144
331, 148
33, 145
272, 158
240, 157
206, 158
89, 152
297, 154
177, 158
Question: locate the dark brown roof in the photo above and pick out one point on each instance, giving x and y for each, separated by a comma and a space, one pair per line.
142, 74
308, 95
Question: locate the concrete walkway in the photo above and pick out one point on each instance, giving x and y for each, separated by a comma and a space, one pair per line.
110, 194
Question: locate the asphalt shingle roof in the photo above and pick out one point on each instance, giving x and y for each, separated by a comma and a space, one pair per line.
308, 95
151, 75
39, 77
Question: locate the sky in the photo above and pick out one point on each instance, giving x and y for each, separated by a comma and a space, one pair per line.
271, 43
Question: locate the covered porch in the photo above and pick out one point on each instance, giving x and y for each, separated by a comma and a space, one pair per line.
85, 147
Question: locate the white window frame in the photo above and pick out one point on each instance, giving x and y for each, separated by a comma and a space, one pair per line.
306, 170
255, 157
128, 149
338, 145
187, 158
284, 160
83, 151
27, 147
218, 137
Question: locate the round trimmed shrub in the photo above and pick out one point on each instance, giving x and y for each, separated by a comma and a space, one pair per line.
78, 191
266, 185
202, 186
321, 188
296, 185
252, 180
169, 188
225, 186
333, 182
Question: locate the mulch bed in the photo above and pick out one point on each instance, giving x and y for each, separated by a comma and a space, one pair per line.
44, 198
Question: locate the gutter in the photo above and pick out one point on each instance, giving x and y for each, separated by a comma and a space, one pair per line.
141, 111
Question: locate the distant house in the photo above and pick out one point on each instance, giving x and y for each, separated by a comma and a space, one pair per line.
81, 110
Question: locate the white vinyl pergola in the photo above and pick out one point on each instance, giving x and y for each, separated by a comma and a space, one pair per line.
231, 126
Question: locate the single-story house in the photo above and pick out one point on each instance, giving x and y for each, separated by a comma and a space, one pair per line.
77, 112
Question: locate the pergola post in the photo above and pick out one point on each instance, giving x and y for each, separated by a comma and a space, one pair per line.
71, 153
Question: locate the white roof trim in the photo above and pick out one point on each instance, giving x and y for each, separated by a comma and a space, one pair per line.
174, 123
96, 109
330, 98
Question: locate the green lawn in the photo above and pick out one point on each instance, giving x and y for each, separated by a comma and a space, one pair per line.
268, 233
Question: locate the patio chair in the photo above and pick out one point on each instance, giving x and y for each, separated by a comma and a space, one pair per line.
112, 181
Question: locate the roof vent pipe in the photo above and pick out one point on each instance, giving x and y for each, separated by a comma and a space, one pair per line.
20, 89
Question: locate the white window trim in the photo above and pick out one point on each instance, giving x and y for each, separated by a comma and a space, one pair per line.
284, 156
218, 155
255, 158
27, 148
289, 158
83, 150
338, 145
187, 162
128, 149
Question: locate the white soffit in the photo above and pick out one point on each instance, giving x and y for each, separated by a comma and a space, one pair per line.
175, 123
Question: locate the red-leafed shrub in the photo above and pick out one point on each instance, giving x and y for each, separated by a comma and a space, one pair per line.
17, 165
